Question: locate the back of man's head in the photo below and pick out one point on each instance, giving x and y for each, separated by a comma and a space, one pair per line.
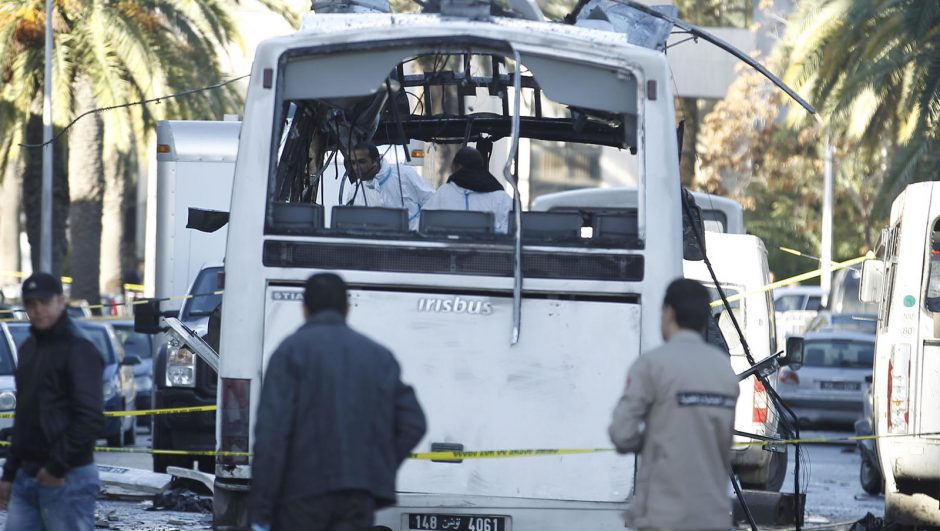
368, 147
469, 158
689, 301
325, 291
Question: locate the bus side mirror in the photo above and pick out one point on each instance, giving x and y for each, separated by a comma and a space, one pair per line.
147, 316
872, 284
794, 353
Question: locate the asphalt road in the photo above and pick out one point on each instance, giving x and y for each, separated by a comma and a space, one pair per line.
829, 477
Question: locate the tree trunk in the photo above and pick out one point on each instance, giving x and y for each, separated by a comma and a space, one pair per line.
86, 187
112, 223
32, 192
11, 194
689, 141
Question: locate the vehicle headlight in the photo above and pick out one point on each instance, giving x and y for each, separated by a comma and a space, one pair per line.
180, 365
110, 390
7, 400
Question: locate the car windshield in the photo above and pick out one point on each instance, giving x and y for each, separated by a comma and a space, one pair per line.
841, 353
788, 303
20, 333
7, 367
99, 336
206, 295
135, 343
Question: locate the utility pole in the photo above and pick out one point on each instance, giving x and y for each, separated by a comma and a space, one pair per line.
825, 262
45, 242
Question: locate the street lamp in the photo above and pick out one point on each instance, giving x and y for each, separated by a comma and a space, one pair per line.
45, 241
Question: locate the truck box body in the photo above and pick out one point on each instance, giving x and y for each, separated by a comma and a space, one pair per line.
195, 167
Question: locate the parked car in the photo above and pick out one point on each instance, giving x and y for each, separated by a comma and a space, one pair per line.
7, 382
120, 392
830, 386
140, 345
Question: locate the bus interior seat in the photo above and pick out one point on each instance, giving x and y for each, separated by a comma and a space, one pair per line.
549, 226
456, 222
369, 219
296, 218
616, 226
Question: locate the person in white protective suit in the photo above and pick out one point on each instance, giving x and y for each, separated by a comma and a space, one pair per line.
472, 187
377, 183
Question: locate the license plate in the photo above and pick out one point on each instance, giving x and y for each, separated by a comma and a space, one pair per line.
457, 522
840, 386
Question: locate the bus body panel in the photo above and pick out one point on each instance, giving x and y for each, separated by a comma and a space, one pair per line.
553, 390
909, 464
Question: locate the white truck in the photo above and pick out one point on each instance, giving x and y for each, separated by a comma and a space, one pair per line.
194, 168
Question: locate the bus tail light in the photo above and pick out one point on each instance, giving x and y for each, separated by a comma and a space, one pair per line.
789, 377
236, 425
760, 402
899, 377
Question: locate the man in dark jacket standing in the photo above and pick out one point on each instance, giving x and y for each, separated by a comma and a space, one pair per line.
334, 423
50, 480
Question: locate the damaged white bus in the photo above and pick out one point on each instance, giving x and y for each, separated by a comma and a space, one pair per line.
905, 281
563, 311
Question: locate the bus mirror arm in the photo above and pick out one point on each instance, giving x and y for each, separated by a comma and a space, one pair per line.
764, 367
195, 343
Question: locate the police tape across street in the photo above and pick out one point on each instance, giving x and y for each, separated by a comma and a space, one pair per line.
458, 455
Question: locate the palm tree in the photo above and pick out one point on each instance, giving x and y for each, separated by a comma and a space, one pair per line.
873, 68
109, 53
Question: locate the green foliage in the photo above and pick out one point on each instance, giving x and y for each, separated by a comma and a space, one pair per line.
750, 153
717, 13
872, 67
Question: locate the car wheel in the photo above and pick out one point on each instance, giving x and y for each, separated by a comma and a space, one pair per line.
161, 441
130, 437
870, 477
778, 470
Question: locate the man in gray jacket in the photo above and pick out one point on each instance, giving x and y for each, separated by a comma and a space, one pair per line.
678, 411
334, 423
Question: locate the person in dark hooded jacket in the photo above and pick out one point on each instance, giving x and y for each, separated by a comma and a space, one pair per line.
334, 423
472, 187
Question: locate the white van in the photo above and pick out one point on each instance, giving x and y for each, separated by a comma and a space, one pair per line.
795, 307
905, 280
719, 214
740, 264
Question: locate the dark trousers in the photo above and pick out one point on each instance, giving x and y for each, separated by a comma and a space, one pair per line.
349, 510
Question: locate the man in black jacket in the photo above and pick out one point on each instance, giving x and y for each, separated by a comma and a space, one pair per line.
334, 423
49, 479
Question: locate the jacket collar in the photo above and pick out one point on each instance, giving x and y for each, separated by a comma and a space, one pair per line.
325, 317
685, 335
59, 329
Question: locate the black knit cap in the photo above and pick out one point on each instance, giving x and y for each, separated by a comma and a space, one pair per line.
41, 286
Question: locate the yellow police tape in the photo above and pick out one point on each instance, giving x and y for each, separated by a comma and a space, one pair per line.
502, 454
144, 412
798, 278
